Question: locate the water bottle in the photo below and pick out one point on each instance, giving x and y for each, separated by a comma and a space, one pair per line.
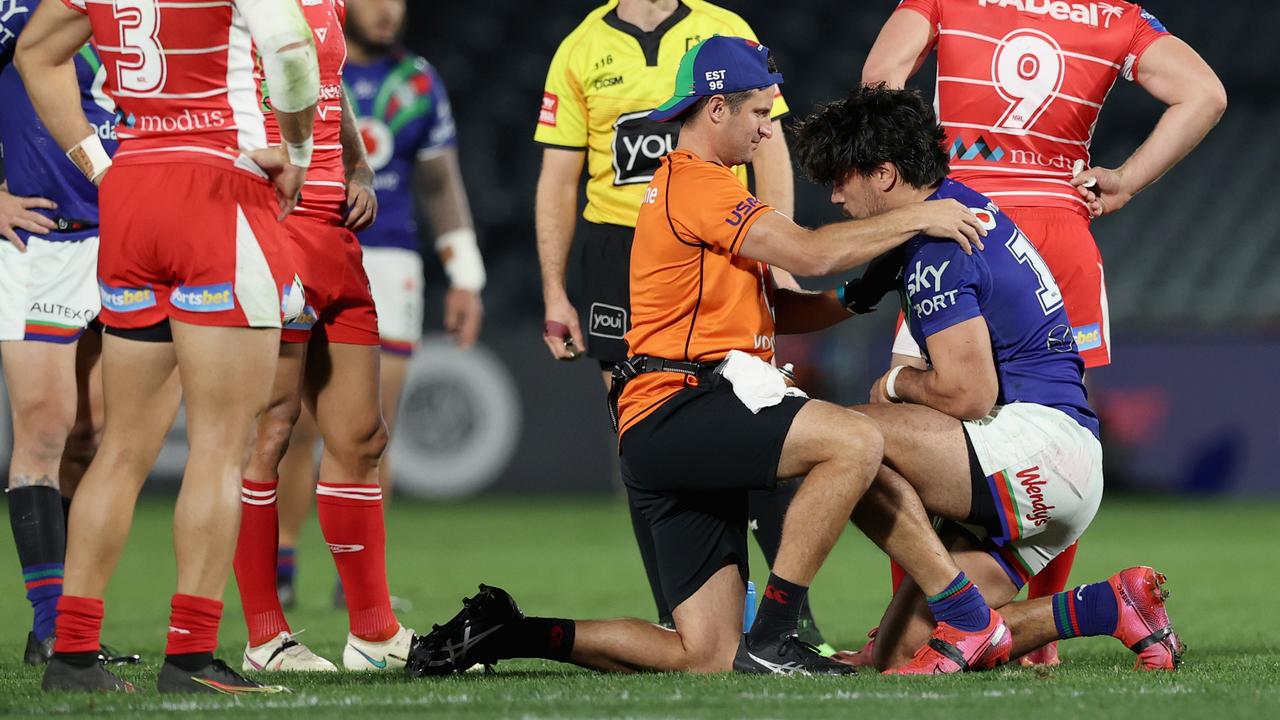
749, 607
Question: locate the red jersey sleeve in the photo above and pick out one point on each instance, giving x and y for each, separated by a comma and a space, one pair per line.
928, 8
1147, 29
340, 6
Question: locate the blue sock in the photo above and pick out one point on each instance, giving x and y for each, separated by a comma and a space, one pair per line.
961, 606
284, 566
44, 587
1086, 611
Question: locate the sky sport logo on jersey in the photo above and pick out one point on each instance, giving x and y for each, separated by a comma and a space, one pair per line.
203, 298
1095, 14
125, 300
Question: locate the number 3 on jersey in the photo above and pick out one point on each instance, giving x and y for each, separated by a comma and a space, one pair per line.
1049, 294
1027, 70
139, 33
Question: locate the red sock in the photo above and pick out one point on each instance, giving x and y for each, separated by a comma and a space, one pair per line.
351, 519
1053, 578
898, 574
79, 625
193, 625
256, 561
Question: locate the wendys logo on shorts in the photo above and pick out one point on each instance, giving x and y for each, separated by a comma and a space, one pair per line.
1033, 484
638, 145
203, 298
550, 106
126, 300
608, 321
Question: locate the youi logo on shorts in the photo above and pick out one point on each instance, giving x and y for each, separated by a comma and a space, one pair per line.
125, 300
638, 145
1033, 484
1095, 14
203, 298
608, 321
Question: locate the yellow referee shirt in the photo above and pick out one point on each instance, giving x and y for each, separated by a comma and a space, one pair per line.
604, 79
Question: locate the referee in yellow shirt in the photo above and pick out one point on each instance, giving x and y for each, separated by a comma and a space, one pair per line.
605, 78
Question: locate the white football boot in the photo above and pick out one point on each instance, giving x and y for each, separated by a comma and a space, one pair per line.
284, 653
387, 655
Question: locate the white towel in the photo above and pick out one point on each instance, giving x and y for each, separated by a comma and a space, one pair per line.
756, 383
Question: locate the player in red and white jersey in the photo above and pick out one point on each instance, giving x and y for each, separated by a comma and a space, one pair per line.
330, 355
191, 267
1020, 84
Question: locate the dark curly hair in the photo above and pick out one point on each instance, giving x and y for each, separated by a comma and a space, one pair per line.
873, 125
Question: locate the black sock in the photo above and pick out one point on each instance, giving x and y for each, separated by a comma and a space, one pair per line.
767, 509
779, 610
40, 534
534, 637
80, 660
649, 556
190, 662
66, 511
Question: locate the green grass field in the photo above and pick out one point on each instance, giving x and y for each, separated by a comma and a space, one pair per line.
575, 558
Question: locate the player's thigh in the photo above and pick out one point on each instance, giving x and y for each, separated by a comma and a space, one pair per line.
710, 621
929, 450
227, 375
40, 380
342, 390
138, 387
822, 432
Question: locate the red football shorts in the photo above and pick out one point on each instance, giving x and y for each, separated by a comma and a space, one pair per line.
194, 243
1063, 239
338, 302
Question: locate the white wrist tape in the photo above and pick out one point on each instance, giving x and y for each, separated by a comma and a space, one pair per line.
300, 153
889, 388
90, 157
461, 257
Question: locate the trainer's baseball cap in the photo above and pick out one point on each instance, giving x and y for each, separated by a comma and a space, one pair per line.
719, 65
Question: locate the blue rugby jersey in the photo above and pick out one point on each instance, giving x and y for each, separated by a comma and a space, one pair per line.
33, 162
404, 115
1011, 287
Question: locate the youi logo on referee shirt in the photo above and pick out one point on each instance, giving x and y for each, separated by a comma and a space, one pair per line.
1095, 14
638, 144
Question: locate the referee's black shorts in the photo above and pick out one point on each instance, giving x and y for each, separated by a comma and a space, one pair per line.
688, 468
606, 279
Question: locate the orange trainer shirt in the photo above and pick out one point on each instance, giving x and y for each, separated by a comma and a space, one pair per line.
693, 298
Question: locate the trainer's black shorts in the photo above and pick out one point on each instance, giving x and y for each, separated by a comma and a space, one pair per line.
606, 271
688, 468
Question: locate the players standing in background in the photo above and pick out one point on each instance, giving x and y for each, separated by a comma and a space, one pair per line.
329, 359
605, 78
404, 117
48, 295
1019, 92
191, 263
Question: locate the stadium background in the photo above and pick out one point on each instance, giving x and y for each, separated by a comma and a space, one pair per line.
1189, 405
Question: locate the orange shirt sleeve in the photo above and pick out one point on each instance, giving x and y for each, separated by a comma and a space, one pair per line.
709, 205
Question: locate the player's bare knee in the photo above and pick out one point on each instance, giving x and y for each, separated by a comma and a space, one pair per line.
362, 445
710, 657
82, 442
41, 428
860, 445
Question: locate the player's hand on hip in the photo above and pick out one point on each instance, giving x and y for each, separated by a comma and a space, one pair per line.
561, 331
463, 314
362, 201
950, 219
19, 213
1103, 189
285, 176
